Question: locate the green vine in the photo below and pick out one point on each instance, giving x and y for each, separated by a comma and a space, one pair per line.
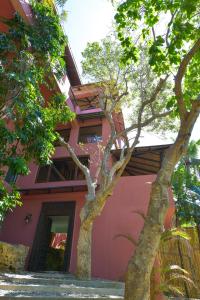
29, 54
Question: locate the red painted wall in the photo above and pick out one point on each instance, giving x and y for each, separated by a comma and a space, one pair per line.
26, 182
110, 255
6, 11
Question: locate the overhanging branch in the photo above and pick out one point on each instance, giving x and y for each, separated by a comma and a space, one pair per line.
179, 77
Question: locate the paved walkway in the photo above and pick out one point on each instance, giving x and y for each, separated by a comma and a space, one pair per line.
59, 286
56, 286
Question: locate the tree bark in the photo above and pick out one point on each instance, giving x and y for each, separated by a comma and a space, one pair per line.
142, 261
83, 269
89, 212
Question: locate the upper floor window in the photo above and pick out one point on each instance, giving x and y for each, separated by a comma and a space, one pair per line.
61, 170
11, 177
90, 134
65, 134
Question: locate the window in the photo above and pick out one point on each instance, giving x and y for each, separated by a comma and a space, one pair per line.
10, 177
61, 170
64, 133
92, 134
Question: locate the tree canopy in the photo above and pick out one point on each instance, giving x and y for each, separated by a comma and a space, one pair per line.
102, 63
30, 57
170, 29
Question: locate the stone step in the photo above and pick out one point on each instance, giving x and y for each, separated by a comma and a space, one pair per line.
57, 286
47, 294
62, 288
57, 279
51, 297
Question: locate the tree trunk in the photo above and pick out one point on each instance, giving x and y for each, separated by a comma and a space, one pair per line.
88, 214
137, 285
141, 262
83, 269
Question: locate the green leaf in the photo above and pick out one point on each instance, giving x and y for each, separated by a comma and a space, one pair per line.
36, 52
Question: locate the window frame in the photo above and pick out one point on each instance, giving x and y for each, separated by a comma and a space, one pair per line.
11, 176
91, 126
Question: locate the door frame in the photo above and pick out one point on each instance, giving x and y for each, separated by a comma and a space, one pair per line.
63, 208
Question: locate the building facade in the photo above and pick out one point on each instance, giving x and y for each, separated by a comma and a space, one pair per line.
48, 221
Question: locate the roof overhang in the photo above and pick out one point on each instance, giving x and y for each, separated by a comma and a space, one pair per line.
71, 68
144, 160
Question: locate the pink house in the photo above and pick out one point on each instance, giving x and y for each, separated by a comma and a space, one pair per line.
48, 222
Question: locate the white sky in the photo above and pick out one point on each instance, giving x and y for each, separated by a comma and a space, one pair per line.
88, 21
91, 20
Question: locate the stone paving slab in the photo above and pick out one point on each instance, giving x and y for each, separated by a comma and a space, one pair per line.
29, 297
72, 289
59, 286
57, 279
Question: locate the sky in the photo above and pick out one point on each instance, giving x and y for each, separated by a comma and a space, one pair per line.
89, 21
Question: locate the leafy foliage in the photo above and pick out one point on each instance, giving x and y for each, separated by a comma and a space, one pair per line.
102, 63
174, 233
186, 186
172, 275
28, 57
61, 3
8, 201
169, 28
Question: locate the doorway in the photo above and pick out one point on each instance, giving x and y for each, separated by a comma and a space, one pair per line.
52, 244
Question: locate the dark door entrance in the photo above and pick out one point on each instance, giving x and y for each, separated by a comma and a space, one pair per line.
52, 244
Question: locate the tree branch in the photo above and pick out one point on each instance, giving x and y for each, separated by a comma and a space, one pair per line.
90, 184
8, 103
179, 77
153, 32
169, 26
154, 116
117, 165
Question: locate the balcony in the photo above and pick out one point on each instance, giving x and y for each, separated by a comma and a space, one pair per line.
85, 100
61, 170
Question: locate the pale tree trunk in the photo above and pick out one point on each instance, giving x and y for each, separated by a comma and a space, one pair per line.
137, 285
89, 212
83, 270
142, 260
